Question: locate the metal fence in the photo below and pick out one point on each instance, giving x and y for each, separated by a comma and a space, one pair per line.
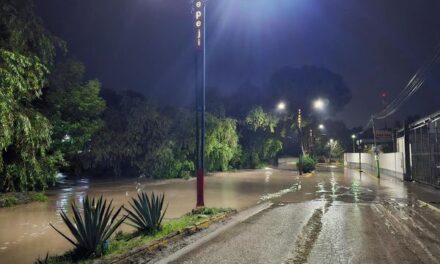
425, 150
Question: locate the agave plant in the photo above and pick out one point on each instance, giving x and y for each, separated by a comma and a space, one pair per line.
146, 214
42, 261
92, 229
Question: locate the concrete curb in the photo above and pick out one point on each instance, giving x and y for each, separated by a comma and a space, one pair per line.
235, 220
157, 244
432, 207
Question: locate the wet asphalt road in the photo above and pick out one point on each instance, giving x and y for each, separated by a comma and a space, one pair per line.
334, 216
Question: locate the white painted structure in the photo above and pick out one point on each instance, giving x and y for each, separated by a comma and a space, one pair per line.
391, 164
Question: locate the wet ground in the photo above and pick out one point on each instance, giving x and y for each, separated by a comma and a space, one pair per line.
25, 233
334, 216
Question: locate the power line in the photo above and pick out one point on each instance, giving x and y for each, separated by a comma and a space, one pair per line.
410, 89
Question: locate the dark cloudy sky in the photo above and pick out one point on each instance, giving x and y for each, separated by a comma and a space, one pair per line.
147, 45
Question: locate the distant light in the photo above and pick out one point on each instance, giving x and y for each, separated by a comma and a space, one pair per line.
281, 106
321, 126
66, 138
319, 104
331, 140
353, 136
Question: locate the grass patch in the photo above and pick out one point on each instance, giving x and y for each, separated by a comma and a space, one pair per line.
39, 197
16, 198
8, 201
124, 242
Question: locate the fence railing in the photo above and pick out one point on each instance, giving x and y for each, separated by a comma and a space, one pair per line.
425, 151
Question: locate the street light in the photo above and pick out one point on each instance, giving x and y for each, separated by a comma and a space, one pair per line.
319, 104
353, 137
281, 106
321, 126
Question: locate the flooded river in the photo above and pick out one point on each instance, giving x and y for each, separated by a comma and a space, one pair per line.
25, 233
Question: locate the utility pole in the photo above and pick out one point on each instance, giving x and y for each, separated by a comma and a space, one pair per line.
376, 150
300, 162
360, 154
199, 23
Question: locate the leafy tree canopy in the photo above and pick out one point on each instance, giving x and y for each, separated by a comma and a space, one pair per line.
258, 119
25, 134
22, 31
221, 142
132, 135
74, 108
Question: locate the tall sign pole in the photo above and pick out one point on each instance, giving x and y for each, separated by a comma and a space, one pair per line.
300, 162
199, 24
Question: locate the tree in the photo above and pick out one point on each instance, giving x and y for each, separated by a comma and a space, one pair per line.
22, 31
74, 108
258, 139
132, 136
336, 150
25, 134
221, 142
258, 119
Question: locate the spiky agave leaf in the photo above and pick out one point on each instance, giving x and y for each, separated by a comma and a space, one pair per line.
146, 214
91, 229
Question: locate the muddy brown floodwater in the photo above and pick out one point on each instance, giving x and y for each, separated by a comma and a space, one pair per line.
25, 233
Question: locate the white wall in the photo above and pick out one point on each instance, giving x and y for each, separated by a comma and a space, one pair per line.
354, 158
391, 164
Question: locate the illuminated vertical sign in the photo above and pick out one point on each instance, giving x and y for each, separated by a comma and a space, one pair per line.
199, 22
199, 25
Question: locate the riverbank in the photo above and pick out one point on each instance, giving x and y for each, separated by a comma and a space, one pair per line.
17, 198
126, 245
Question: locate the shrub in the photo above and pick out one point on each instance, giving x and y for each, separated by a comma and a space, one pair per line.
309, 164
146, 214
39, 197
8, 201
92, 230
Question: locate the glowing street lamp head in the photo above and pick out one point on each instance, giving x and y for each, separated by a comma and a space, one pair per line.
319, 104
281, 106
321, 126
353, 136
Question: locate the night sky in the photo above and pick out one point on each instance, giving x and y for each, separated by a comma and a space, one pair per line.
147, 45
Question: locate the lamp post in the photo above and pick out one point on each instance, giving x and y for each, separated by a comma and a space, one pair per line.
300, 162
199, 23
353, 137
360, 155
